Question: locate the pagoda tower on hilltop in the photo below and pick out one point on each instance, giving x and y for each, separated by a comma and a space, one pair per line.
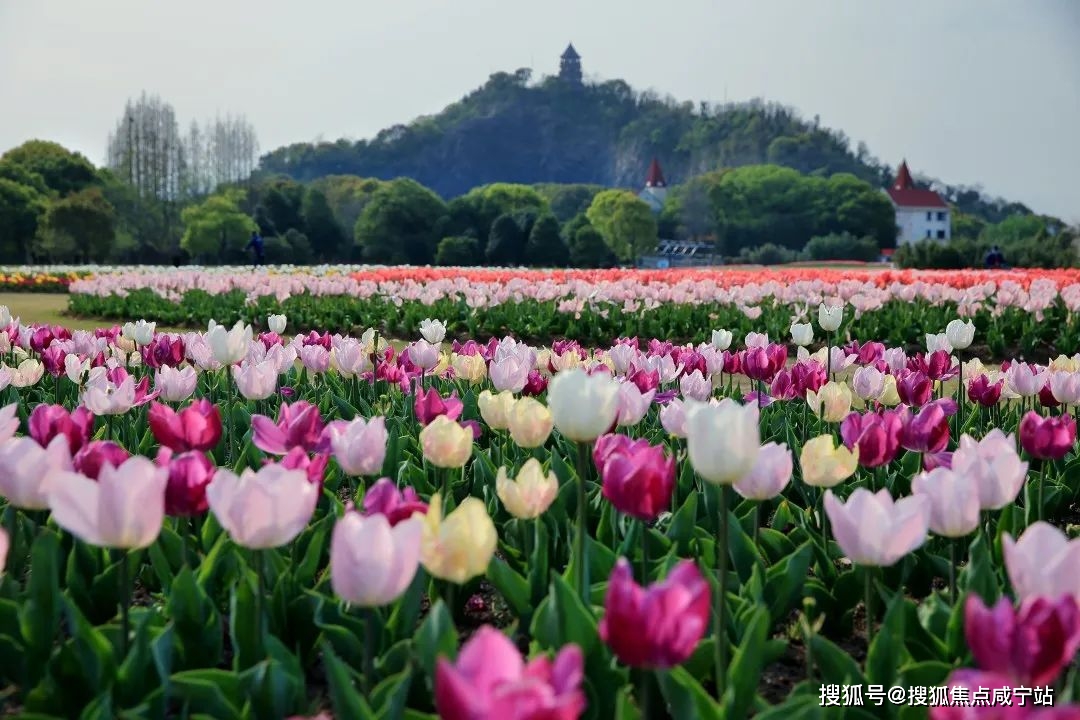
655, 191
570, 66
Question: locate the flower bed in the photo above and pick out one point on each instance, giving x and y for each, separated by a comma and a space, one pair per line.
228, 524
38, 280
1025, 312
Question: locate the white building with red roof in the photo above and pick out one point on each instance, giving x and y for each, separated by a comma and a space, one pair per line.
921, 214
655, 191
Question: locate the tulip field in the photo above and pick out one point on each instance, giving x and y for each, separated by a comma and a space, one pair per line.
372, 495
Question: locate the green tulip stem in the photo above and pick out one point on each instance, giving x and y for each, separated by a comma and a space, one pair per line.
445, 482
11, 525
581, 558
960, 401
369, 647
868, 575
952, 571
757, 522
644, 552
125, 604
1041, 485
721, 595
257, 558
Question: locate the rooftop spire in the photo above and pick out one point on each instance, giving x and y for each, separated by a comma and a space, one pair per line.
655, 177
570, 53
903, 178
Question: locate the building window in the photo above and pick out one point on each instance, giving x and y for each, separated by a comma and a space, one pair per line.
929, 216
941, 216
940, 234
928, 232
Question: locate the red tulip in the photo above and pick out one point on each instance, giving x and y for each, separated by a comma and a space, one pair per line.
659, 626
196, 427
637, 478
48, 421
189, 474
1049, 438
1046, 396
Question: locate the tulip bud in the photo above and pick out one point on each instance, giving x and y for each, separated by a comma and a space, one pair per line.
529, 494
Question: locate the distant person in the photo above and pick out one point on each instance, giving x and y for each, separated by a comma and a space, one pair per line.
994, 258
256, 244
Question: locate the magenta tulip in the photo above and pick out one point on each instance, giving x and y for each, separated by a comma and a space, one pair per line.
189, 474
637, 478
807, 375
384, 498
1032, 645
48, 421
927, 432
313, 465
490, 681
95, 455
196, 427
876, 434
914, 388
431, 405
980, 390
659, 626
1049, 438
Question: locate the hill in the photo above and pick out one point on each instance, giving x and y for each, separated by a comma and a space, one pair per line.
551, 131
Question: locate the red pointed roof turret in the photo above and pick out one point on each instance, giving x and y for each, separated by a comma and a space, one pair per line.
903, 178
655, 177
904, 193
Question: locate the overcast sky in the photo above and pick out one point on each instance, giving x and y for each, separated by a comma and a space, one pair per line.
969, 91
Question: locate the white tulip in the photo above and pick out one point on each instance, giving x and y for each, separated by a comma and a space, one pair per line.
433, 330
229, 347
960, 334
583, 406
276, 323
721, 339
802, 334
722, 440
830, 318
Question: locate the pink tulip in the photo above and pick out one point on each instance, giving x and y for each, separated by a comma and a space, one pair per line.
994, 463
314, 466
1043, 562
196, 427
124, 508
633, 404
48, 421
385, 499
298, 425
873, 529
695, 386
360, 447
509, 373
175, 385
9, 421
431, 405
1031, 646
5, 542
27, 470
637, 478
954, 501
189, 474
372, 562
97, 454
490, 681
770, 474
659, 626
315, 358
1049, 438
256, 380
876, 434
264, 509
673, 418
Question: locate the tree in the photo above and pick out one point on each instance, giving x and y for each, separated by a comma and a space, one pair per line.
321, 227
457, 251
79, 227
625, 221
19, 174
588, 249
62, 170
216, 227
545, 247
399, 224
506, 243
347, 196
568, 200
21, 206
280, 206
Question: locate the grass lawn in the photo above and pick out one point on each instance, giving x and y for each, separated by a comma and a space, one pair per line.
50, 309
